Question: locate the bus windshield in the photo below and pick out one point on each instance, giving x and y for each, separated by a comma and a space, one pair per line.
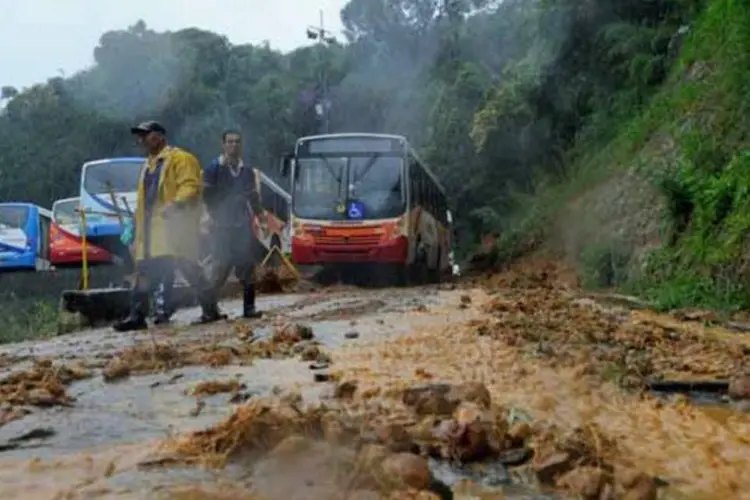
13, 217
324, 184
117, 177
65, 212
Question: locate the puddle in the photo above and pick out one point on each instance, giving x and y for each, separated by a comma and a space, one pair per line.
484, 478
93, 342
111, 427
139, 410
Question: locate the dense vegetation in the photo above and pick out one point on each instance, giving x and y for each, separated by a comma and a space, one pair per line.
611, 130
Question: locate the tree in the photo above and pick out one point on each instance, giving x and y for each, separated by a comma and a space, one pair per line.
7, 92
491, 93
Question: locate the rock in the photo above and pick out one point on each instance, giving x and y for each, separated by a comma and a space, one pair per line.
310, 353
515, 457
739, 387
371, 456
635, 485
472, 442
322, 377
406, 470
240, 397
465, 437
293, 333
396, 438
443, 399
351, 335
519, 431
345, 390
292, 445
429, 399
301, 346
318, 366
304, 332
7, 416
465, 299
471, 392
548, 468
583, 482
42, 398
116, 369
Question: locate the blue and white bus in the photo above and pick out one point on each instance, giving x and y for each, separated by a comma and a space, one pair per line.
109, 193
24, 237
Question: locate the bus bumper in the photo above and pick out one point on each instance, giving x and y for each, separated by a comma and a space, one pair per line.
395, 251
14, 260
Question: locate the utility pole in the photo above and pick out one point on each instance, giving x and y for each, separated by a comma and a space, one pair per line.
324, 38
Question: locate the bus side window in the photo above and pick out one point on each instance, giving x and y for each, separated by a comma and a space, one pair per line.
430, 197
421, 187
266, 197
281, 208
413, 183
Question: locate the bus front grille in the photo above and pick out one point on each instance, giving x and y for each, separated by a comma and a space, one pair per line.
348, 240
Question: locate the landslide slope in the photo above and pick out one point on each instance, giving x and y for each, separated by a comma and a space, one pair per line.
664, 209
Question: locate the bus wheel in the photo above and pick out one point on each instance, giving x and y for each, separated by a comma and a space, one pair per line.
435, 274
402, 275
419, 269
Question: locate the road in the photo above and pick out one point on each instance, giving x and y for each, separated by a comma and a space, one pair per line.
478, 378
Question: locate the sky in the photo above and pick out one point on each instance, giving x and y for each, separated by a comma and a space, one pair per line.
45, 38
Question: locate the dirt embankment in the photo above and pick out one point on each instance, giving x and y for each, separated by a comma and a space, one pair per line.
547, 385
522, 384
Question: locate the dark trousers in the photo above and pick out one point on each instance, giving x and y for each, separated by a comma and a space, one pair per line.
196, 278
154, 278
233, 250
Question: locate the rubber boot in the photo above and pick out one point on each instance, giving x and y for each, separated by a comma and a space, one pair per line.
248, 302
210, 312
163, 304
136, 319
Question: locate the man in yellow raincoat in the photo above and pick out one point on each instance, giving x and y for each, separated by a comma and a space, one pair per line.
167, 235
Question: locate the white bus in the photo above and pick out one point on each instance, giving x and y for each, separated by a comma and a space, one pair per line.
277, 203
109, 192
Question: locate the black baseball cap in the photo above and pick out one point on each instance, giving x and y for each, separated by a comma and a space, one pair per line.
147, 127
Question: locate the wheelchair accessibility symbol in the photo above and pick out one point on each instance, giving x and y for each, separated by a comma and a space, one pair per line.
356, 210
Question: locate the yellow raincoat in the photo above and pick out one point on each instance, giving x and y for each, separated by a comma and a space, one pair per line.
180, 180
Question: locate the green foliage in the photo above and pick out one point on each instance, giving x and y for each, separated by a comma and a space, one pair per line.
707, 189
27, 320
519, 106
604, 266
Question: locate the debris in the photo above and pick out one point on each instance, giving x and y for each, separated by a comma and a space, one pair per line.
739, 387
212, 387
199, 405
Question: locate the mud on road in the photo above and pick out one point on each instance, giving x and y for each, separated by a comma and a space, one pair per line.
515, 386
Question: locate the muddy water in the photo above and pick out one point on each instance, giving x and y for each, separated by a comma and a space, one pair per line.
98, 443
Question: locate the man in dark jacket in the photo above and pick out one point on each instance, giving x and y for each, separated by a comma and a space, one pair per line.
232, 199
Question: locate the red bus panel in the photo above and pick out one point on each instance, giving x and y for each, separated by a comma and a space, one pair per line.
66, 249
330, 244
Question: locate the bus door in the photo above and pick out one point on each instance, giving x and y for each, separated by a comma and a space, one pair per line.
44, 222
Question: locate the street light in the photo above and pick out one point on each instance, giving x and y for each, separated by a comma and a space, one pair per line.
323, 37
